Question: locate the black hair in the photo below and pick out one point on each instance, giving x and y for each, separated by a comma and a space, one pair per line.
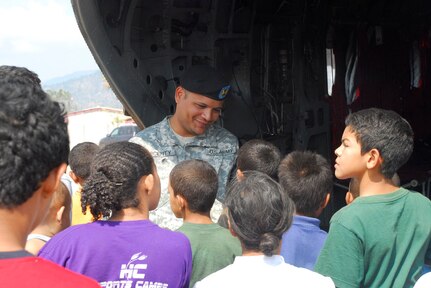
20, 75
259, 211
385, 131
80, 158
307, 178
115, 174
197, 181
33, 135
259, 155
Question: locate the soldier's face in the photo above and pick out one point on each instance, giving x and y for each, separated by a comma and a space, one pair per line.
195, 112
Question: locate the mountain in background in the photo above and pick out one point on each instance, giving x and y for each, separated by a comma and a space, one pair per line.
88, 89
73, 76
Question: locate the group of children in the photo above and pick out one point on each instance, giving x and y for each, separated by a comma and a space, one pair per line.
127, 249
271, 234
303, 178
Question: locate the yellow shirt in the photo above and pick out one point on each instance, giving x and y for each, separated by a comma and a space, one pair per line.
77, 216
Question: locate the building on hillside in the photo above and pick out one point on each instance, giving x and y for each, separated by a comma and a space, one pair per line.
94, 123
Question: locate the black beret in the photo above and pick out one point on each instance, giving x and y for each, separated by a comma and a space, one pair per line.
205, 80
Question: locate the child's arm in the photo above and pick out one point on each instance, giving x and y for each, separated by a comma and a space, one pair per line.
342, 257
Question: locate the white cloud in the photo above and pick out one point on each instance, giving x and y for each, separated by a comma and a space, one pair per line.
38, 22
42, 35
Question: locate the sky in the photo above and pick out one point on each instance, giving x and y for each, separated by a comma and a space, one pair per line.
43, 36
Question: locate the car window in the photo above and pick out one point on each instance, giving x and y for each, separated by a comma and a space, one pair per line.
115, 132
121, 131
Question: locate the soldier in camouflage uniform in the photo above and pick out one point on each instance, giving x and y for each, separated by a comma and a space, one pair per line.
191, 133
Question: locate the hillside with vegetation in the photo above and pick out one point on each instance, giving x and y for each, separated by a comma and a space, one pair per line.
82, 90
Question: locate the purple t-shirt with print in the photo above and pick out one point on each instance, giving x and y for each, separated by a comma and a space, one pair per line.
125, 254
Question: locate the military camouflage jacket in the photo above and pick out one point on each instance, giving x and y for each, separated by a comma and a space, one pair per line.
217, 146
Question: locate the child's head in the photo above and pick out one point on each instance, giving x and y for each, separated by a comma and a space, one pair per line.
353, 192
259, 212
57, 219
33, 136
59, 211
122, 176
383, 134
80, 159
196, 183
306, 177
259, 155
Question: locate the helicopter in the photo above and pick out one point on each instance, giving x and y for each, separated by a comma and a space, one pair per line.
298, 67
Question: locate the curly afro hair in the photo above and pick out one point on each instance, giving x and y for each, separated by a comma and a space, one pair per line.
33, 135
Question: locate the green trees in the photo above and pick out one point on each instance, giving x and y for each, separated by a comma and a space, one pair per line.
63, 97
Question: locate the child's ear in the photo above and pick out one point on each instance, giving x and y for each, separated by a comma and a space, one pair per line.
74, 177
230, 228
59, 215
349, 197
374, 159
149, 182
326, 201
181, 201
51, 182
239, 174
232, 232
179, 93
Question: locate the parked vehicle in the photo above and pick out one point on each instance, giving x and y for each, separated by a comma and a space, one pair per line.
122, 133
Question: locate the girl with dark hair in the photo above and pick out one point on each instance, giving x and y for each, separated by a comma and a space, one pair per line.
259, 213
127, 249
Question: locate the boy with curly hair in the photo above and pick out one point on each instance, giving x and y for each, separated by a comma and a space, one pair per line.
34, 146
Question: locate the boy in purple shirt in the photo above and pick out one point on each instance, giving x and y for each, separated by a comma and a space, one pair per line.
307, 179
126, 250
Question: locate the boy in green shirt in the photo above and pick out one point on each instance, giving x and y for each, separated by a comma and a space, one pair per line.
192, 190
381, 238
